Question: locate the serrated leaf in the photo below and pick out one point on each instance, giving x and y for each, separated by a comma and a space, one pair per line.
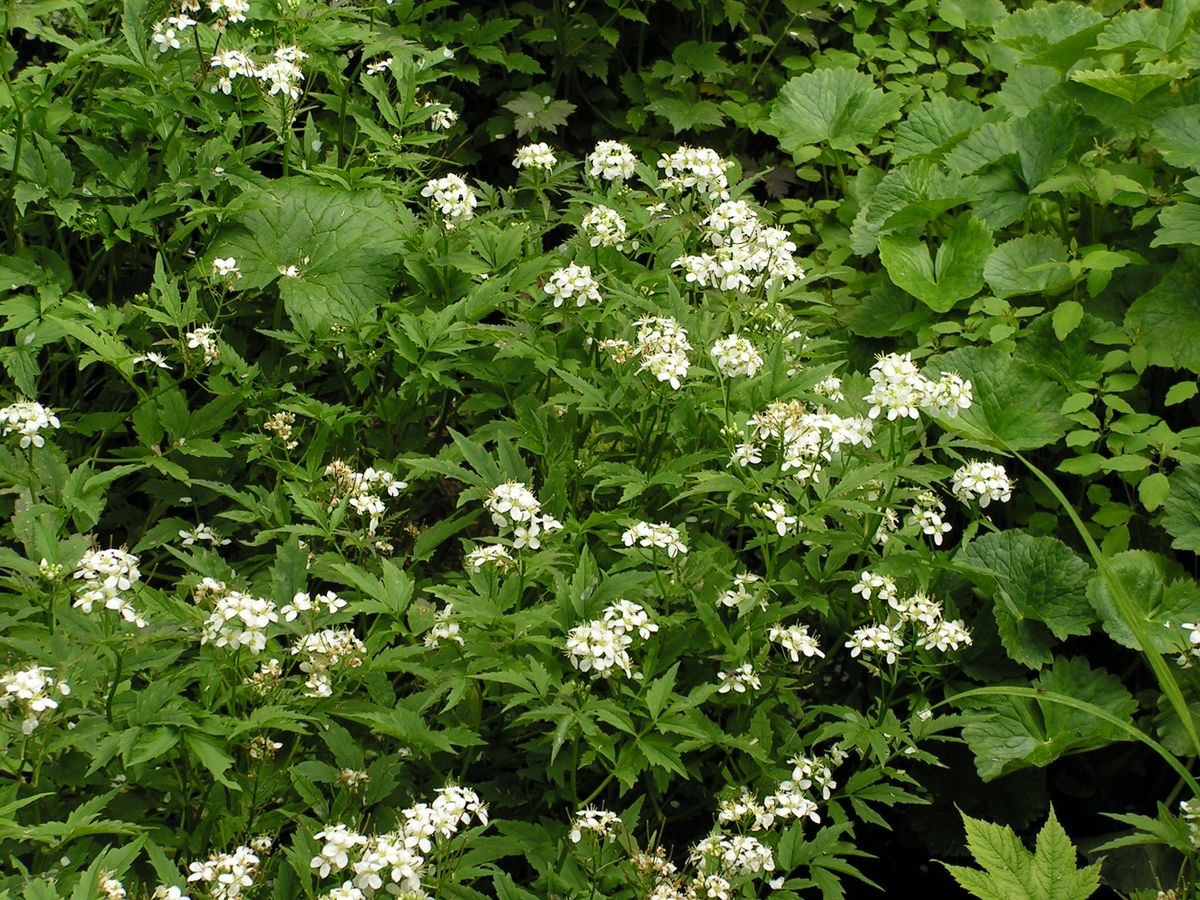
1162, 593
1130, 86
954, 272
686, 114
1013, 732
840, 108
1176, 135
1013, 401
1165, 321
905, 196
1181, 511
934, 126
1038, 587
345, 246
1030, 264
1178, 223
532, 111
1051, 34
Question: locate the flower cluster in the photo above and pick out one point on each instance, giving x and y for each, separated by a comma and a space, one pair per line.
394, 863
535, 156
604, 227
612, 161
796, 641
899, 390
780, 517
1189, 811
201, 534
30, 693
983, 481
364, 490
444, 628
326, 652
736, 357
742, 591
928, 514
304, 602
204, 339
740, 854
601, 646
237, 620
105, 577
514, 504
443, 117
282, 75
489, 555
453, 198
599, 822
281, 424
805, 438
739, 680
226, 876
744, 254
660, 536
696, 167
573, 282
28, 419
918, 615
662, 347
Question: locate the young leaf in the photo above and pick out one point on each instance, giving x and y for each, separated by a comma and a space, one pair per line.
953, 273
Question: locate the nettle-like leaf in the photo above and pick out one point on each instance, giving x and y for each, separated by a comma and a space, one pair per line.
1181, 510
1011, 872
1176, 136
840, 108
1165, 596
1051, 34
953, 272
1178, 223
1014, 404
1012, 733
533, 112
1165, 321
905, 197
934, 126
1030, 264
344, 245
1038, 587
1131, 86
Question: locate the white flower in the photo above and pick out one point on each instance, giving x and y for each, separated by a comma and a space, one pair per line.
106, 576
340, 841
796, 642
573, 282
946, 635
600, 648
697, 167
535, 156
226, 875
877, 639
489, 555
735, 356
870, 583
452, 197
444, 629
512, 501
225, 268
30, 693
982, 480
612, 161
239, 620
599, 822
200, 533
626, 617
739, 680
927, 512
777, 512
661, 536
204, 339
443, 118
604, 227
28, 418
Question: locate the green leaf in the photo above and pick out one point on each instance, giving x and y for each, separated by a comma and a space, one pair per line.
1051, 34
688, 113
212, 757
1038, 587
905, 196
533, 111
1031, 264
1179, 393
1165, 321
933, 126
1178, 223
954, 273
1181, 511
840, 108
1130, 86
1015, 732
1014, 403
345, 246
1067, 316
1163, 595
1011, 872
1176, 135
1153, 490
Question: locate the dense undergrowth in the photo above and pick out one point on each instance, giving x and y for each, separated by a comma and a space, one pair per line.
624, 449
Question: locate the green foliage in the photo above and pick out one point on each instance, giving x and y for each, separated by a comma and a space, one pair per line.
1011, 871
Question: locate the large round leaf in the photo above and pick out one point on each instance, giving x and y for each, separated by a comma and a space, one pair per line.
953, 272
